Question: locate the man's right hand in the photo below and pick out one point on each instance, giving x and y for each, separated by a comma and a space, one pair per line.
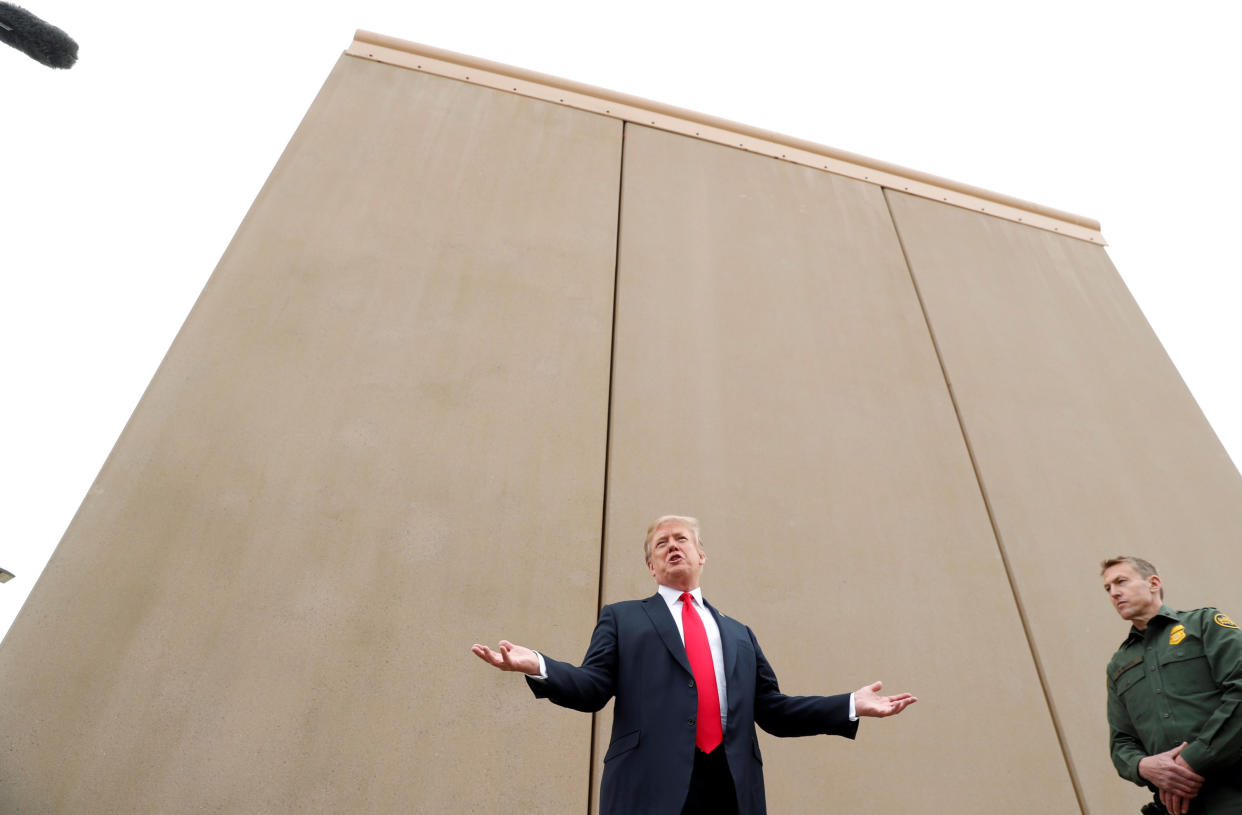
1175, 804
1177, 782
511, 657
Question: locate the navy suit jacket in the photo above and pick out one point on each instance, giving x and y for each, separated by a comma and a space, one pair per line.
637, 657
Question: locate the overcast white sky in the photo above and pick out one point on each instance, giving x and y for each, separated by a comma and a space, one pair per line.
123, 179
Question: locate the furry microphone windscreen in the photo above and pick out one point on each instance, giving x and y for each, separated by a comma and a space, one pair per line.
36, 39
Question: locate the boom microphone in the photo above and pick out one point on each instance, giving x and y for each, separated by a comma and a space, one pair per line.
36, 39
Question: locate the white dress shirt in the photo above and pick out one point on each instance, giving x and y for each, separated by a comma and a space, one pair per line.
673, 598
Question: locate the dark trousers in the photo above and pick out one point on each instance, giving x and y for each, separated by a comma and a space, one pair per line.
711, 785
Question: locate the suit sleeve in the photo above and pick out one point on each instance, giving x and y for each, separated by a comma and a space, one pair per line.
783, 715
587, 687
1218, 744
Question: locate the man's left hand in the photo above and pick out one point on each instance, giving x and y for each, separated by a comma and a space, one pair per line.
868, 702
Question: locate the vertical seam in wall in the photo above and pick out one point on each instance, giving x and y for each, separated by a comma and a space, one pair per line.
987, 505
612, 356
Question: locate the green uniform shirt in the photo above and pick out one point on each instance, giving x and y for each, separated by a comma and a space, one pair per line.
1178, 681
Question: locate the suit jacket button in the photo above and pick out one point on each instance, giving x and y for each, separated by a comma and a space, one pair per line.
690, 684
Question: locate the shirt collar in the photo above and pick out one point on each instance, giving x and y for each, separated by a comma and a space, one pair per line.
672, 595
1165, 611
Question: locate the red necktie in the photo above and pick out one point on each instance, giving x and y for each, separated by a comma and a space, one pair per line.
707, 728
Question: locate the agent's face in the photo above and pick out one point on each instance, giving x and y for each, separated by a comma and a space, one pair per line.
1132, 596
676, 558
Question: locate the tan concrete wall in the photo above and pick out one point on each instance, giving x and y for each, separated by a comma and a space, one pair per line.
1087, 441
402, 418
774, 375
390, 399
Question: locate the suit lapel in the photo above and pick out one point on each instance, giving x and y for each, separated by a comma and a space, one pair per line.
728, 646
666, 627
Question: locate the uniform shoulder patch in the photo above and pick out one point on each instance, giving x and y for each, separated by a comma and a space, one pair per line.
1177, 634
1224, 622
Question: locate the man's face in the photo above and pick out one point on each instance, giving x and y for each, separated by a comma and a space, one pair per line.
676, 559
1132, 596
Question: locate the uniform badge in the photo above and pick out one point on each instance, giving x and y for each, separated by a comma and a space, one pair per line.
1224, 622
1178, 634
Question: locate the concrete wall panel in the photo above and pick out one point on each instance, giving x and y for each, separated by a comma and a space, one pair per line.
389, 401
774, 375
1088, 445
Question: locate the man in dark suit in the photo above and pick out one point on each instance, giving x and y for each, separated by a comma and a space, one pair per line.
690, 686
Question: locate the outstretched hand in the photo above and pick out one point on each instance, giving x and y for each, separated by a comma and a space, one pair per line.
510, 657
868, 702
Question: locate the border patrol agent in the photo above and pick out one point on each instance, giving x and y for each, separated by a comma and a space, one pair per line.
1175, 696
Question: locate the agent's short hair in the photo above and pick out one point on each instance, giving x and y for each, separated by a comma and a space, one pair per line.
693, 523
1143, 567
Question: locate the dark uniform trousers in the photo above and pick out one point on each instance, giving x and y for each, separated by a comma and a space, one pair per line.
711, 785
1217, 798
1213, 800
